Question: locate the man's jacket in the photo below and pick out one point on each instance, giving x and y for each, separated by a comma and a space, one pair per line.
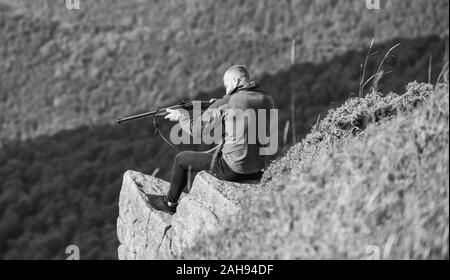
238, 119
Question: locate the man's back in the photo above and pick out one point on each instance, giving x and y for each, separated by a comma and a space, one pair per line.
246, 117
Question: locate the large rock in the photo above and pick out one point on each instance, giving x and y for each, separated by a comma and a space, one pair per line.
147, 234
140, 229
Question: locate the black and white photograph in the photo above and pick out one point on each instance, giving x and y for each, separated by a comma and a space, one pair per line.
226, 136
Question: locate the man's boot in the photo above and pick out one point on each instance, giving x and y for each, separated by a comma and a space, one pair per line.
161, 203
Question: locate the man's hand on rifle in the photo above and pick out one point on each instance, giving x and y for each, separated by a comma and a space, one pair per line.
174, 115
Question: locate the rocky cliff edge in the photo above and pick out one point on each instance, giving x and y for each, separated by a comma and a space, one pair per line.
148, 234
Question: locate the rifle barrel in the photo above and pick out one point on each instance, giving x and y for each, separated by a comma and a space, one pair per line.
156, 113
161, 112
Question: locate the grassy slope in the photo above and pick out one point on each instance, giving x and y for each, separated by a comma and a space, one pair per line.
116, 57
361, 177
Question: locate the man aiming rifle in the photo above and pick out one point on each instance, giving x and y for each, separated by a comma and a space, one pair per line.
238, 158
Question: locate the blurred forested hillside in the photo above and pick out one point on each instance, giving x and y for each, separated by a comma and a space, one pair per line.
65, 75
63, 68
63, 189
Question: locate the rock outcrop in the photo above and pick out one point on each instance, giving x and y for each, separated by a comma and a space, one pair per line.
148, 234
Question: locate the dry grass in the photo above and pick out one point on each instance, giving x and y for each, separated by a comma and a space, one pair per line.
373, 172
375, 78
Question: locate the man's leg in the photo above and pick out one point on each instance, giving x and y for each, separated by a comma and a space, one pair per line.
184, 163
224, 172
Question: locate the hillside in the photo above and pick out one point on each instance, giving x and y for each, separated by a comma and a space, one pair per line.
65, 76
63, 189
373, 172
61, 69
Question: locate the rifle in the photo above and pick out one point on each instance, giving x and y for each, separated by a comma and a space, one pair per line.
162, 112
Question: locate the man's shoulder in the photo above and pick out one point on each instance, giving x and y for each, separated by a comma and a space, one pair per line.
220, 102
252, 98
256, 92
241, 96
252, 88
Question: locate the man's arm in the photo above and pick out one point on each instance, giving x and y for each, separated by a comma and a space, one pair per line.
208, 120
211, 118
